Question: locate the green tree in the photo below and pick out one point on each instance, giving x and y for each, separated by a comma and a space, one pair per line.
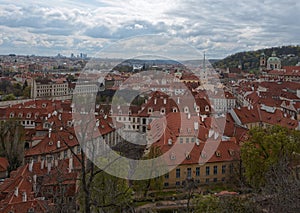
109, 194
9, 97
143, 186
26, 92
207, 204
265, 148
12, 143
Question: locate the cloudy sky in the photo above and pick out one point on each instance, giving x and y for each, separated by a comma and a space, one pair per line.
218, 27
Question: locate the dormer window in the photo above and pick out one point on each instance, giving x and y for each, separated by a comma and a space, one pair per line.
150, 110
175, 109
186, 110
11, 115
197, 109
20, 115
231, 152
187, 156
28, 115
163, 111
206, 108
173, 156
203, 154
218, 153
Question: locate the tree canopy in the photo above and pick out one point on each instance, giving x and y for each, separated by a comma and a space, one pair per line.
265, 148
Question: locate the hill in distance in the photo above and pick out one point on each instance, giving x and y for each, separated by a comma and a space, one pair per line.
289, 55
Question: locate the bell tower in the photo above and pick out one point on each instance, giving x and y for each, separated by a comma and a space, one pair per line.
262, 61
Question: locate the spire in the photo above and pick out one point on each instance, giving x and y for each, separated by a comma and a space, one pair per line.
204, 65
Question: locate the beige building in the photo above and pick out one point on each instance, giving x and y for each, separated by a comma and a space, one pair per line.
49, 88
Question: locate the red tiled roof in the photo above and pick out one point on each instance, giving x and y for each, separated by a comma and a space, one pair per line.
3, 164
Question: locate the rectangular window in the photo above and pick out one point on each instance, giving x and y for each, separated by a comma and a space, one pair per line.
177, 173
215, 179
166, 184
207, 170
189, 172
215, 170
181, 140
187, 140
177, 183
65, 154
223, 169
207, 180
167, 176
192, 140
231, 168
197, 171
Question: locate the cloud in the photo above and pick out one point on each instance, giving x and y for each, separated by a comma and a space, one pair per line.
218, 27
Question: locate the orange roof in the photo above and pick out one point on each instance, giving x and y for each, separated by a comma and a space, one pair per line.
3, 164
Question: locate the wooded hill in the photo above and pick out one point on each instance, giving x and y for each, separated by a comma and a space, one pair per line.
289, 55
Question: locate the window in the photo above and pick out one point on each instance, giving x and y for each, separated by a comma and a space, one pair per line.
206, 108
215, 170
167, 176
65, 154
223, 169
207, 180
197, 171
215, 179
181, 140
177, 173
187, 140
207, 170
223, 179
231, 168
166, 184
177, 183
192, 140
189, 172
78, 149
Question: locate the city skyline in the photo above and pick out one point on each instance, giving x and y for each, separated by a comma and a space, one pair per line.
219, 28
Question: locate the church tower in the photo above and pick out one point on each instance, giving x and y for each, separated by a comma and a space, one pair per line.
203, 72
262, 61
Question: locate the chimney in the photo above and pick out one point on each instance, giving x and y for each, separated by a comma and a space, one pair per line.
196, 125
34, 178
49, 167
155, 101
189, 116
49, 134
30, 166
178, 100
165, 101
16, 193
70, 164
211, 133
24, 197
58, 144
42, 164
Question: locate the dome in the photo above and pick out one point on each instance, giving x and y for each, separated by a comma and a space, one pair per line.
273, 58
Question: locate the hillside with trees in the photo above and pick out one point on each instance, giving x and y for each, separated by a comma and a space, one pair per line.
249, 60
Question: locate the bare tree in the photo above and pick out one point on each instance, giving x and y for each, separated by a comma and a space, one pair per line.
12, 143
